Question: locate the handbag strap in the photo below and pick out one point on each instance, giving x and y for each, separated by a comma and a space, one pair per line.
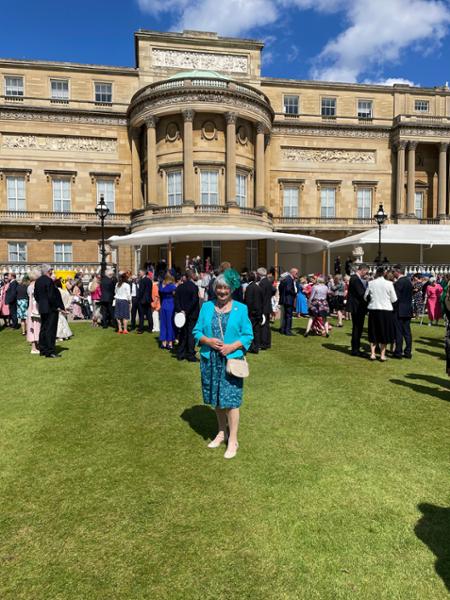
219, 318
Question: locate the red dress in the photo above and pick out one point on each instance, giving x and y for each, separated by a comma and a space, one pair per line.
433, 301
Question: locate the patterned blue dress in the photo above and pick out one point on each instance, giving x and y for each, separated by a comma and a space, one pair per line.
219, 388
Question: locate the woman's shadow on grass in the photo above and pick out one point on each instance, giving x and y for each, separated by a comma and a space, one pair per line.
202, 420
433, 529
442, 392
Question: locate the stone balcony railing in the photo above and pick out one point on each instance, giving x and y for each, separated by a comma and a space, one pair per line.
86, 268
421, 119
322, 222
77, 219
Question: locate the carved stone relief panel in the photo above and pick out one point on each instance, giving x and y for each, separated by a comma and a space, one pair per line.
59, 143
209, 131
230, 63
172, 132
329, 155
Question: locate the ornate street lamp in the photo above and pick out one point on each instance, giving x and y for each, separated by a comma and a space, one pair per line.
380, 217
102, 212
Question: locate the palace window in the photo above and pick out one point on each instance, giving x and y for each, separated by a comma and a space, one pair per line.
14, 87
174, 188
290, 105
364, 203
422, 106
241, 190
418, 204
15, 191
209, 187
328, 107
251, 255
365, 109
17, 252
103, 93
62, 252
61, 195
328, 202
59, 89
290, 202
106, 187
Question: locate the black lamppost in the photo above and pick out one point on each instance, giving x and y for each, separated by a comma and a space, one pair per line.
380, 217
102, 212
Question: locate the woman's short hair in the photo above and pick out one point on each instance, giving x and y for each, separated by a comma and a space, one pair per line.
320, 279
35, 274
220, 281
168, 279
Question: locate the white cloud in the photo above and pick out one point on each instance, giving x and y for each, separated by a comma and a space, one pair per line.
393, 81
293, 53
267, 58
376, 33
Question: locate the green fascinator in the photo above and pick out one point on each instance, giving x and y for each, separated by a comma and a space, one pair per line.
232, 278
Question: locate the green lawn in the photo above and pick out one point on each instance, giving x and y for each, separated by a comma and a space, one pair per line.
107, 491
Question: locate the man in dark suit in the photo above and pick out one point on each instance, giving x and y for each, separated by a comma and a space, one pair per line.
108, 287
357, 306
268, 291
187, 300
254, 301
403, 313
288, 294
144, 300
11, 300
50, 303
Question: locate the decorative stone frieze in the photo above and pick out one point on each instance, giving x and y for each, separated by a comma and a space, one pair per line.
186, 59
328, 155
59, 143
61, 117
347, 132
425, 132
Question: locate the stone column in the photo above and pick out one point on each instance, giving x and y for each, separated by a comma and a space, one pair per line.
231, 158
188, 157
399, 191
259, 165
411, 179
136, 199
152, 167
442, 197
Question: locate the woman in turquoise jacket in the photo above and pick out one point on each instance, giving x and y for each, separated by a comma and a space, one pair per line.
223, 331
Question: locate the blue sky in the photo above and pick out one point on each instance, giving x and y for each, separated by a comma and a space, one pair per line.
337, 40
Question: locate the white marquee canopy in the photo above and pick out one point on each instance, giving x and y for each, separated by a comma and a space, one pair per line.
420, 235
153, 236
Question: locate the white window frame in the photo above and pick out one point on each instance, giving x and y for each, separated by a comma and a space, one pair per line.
332, 107
365, 109
291, 198
327, 208
419, 206
102, 92
59, 95
242, 189
425, 103
62, 194
17, 252
364, 200
291, 108
209, 196
15, 91
63, 252
110, 201
17, 201
175, 188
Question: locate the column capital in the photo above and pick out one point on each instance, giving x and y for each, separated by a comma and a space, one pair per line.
443, 146
230, 117
261, 128
151, 121
412, 145
400, 145
188, 115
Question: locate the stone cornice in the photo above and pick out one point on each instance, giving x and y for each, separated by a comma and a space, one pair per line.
198, 39
48, 65
24, 113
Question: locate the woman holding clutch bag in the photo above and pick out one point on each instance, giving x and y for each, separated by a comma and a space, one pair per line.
223, 332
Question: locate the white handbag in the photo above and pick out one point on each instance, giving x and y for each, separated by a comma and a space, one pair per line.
238, 367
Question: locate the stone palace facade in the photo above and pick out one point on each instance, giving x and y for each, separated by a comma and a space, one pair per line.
194, 134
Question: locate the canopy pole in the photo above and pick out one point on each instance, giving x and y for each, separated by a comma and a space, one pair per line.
328, 261
324, 261
169, 253
421, 254
276, 259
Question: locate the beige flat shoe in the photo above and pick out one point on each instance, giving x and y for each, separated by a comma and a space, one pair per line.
231, 452
218, 440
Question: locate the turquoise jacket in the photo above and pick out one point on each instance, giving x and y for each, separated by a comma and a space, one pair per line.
238, 328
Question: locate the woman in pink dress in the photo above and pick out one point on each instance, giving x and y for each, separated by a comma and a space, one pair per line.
433, 293
33, 318
4, 308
